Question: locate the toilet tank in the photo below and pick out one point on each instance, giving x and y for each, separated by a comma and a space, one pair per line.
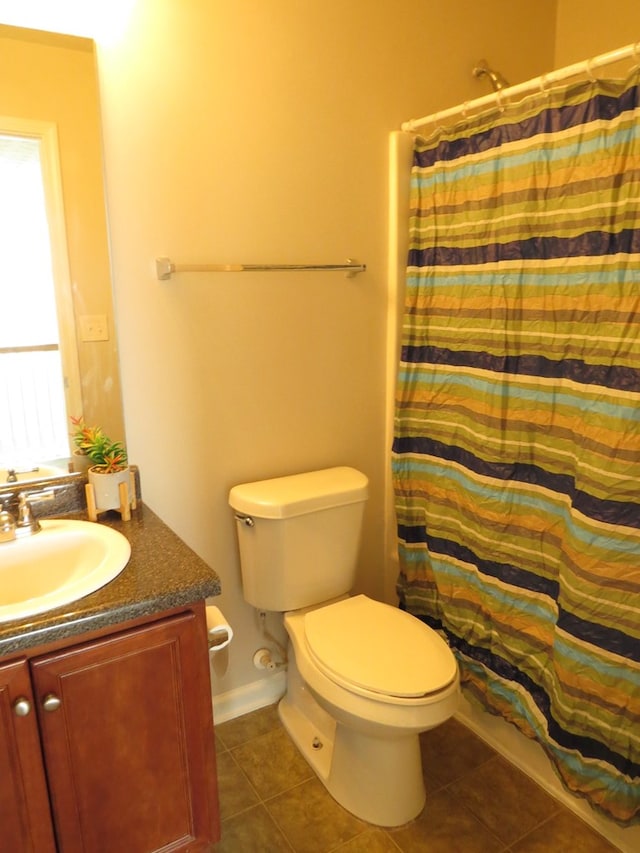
299, 536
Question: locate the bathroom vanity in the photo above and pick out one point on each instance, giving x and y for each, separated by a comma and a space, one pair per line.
106, 729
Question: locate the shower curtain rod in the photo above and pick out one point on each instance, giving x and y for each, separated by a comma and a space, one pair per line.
541, 83
165, 267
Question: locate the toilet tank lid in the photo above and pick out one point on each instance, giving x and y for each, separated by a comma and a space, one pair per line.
297, 494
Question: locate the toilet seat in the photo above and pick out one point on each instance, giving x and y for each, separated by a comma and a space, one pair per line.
377, 650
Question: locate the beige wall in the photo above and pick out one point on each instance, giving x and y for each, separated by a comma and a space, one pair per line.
53, 78
248, 132
587, 28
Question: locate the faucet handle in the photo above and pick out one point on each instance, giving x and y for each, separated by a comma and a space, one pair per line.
7, 526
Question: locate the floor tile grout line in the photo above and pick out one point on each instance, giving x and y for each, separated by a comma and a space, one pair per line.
259, 797
219, 741
241, 812
264, 801
299, 784
250, 740
497, 758
276, 724
261, 801
367, 827
506, 844
311, 774
269, 815
535, 828
280, 829
343, 844
503, 844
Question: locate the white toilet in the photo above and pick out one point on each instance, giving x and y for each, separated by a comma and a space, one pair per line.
364, 678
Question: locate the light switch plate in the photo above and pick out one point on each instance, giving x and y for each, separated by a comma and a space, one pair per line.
94, 327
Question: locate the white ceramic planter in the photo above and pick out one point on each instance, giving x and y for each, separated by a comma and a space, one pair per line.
106, 487
81, 462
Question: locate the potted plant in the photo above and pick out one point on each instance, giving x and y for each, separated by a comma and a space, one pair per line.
108, 463
84, 437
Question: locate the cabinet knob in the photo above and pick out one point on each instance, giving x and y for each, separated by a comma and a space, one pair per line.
22, 706
51, 702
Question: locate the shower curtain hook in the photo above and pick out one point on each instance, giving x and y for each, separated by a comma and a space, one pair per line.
544, 84
590, 73
500, 102
636, 52
465, 107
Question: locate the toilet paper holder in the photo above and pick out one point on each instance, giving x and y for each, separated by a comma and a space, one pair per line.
219, 632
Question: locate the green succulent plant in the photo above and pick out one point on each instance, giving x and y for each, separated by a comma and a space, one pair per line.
108, 456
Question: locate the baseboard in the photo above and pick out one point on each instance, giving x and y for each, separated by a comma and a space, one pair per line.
242, 700
529, 757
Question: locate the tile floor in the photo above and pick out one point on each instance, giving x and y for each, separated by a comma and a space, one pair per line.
271, 801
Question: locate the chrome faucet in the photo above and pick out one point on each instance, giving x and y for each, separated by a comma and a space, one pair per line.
12, 473
26, 524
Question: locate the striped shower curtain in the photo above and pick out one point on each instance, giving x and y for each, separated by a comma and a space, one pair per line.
516, 455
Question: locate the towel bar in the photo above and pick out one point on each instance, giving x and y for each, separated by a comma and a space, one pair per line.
165, 267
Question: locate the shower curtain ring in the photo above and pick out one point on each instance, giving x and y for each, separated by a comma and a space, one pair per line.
544, 84
590, 73
500, 101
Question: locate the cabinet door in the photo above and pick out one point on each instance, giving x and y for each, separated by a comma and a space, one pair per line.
127, 734
25, 820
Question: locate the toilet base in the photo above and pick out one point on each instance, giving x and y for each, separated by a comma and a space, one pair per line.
377, 779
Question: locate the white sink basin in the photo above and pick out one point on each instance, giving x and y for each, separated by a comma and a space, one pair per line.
42, 472
63, 562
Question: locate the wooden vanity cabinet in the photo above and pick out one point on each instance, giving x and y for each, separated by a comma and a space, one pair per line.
25, 818
123, 729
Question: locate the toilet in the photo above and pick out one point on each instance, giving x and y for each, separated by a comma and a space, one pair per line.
363, 678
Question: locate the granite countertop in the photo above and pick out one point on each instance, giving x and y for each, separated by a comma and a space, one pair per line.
162, 573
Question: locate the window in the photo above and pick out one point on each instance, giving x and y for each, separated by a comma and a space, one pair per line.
38, 364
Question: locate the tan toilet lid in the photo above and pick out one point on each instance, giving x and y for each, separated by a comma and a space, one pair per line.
361, 643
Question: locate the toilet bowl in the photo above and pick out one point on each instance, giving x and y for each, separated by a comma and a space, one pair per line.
364, 680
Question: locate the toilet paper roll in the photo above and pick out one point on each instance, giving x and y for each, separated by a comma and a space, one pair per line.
218, 629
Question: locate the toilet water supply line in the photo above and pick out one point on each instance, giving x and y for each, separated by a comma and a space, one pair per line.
263, 658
